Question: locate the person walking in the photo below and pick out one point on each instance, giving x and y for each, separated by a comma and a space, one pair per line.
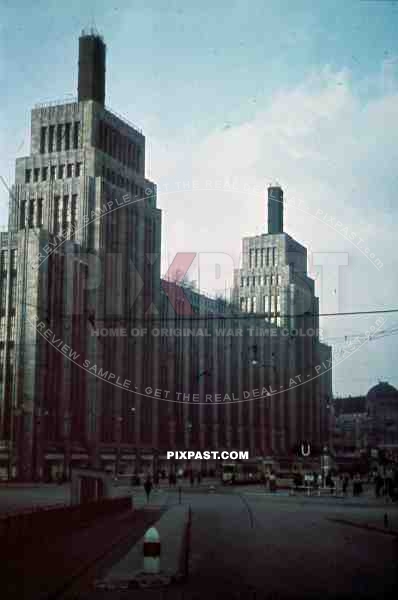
378, 484
148, 488
389, 483
357, 485
345, 484
329, 482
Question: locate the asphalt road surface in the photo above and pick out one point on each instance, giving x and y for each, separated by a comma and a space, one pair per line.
248, 546
253, 546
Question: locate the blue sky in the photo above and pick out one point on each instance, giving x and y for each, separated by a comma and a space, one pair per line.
303, 92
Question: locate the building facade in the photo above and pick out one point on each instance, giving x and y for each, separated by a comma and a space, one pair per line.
104, 364
84, 232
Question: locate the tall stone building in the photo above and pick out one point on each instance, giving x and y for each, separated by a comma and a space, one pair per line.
102, 363
82, 252
273, 286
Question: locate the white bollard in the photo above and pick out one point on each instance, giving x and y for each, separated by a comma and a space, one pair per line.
151, 548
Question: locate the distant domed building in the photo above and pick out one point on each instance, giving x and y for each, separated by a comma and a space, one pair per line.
382, 408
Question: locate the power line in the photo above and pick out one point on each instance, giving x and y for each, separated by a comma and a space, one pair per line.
263, 316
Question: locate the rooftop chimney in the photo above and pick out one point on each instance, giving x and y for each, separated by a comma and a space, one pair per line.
92, 52
275, 209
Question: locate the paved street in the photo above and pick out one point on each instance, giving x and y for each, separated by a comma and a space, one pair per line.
292, 550
271, 545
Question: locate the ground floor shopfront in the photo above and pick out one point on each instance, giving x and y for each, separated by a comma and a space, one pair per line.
56, 463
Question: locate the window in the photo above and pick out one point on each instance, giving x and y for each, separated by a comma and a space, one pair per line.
39, 216
44, 172
56, 213
51, 138
247, 281
256, 258
250, 259
22, 215
268, 256
242, 304
69, 170
77, 169
267, 280
254, 281
61, 169
59, 138
43, 131
31, 213
76, 131
28, 173
249, 305
52, 173
241, 282
278, 303
262, 280
73, 215
67, 135
262, 256
254, 304
274, 256
65, 213
36, 175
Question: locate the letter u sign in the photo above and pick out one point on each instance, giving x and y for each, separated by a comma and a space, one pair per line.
308, 450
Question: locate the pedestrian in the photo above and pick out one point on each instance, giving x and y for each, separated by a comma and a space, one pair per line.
148, 488
389, 482
192, 478
356, 487
272, 483
156, 479
345, 484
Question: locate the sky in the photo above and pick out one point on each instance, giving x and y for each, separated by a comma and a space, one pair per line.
232, 96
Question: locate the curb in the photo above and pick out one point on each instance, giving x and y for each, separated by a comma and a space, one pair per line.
365, 526
142, 580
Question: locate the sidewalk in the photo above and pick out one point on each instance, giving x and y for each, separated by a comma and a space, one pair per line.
372, 520
128, 572
41, 571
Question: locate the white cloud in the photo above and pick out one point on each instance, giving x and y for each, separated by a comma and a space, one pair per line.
327, 147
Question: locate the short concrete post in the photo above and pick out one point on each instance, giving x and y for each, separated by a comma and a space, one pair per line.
151, 550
